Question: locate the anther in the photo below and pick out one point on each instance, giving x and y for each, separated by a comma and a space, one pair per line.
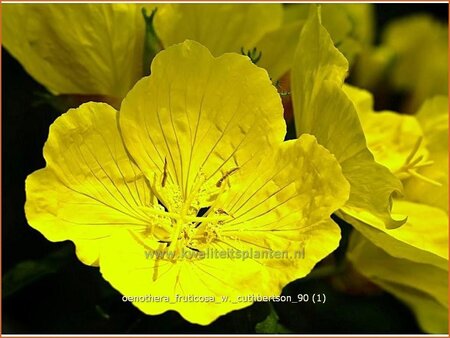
225, 176
164, 177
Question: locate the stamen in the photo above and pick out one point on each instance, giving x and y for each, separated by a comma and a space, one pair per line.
410, 166
220, 211
164, 177
156, 265
424, 164
424, 178
414, 150
199, 181
212, 207
413, 163
225, 176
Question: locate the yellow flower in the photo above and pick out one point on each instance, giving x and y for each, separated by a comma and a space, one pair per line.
322, 108
194, 161
97, 49
412, 261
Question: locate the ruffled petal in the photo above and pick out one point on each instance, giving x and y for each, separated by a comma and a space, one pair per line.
198, 119
90, 188
321, 108
77, 49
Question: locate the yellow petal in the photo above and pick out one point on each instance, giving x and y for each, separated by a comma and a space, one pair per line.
321, 108
350, 25
289, 197
197, 119
89, 188
280, 205
138, 276
77, 48
220, 27
422, 239
423, 287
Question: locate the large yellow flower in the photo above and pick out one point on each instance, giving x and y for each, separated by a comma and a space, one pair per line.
193, 162
411, 262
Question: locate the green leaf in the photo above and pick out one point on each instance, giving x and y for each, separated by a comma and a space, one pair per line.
271, 324
27, 272
152, 43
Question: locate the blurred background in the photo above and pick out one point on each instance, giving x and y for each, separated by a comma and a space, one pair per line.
45, 289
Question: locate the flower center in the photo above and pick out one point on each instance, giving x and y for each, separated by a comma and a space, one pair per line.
185, 225
178, 232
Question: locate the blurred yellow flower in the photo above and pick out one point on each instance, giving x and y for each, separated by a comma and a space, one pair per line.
193, 161
412, 58
420, 47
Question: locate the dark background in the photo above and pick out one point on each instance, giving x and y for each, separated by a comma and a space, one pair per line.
52, 292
